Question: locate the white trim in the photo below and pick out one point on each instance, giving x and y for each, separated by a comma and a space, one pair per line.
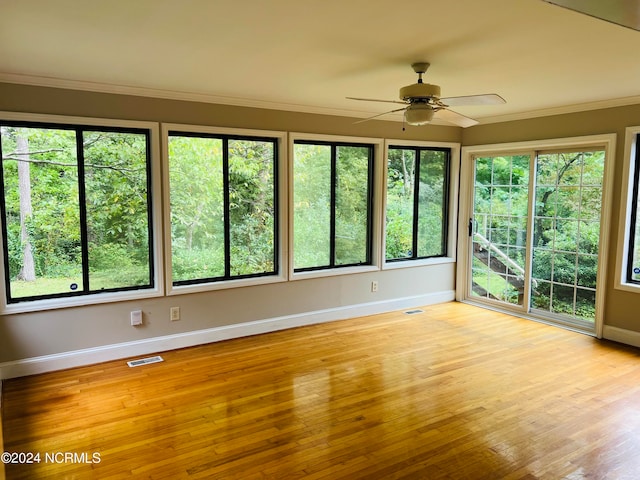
464, 213
40, 81
75, 120
376, 208
606, 141
518, 312
281, 275
454, 185
565, 109
624, 218
421, 262
89, 356
537, 145
37, 81
156, 214
605, 229
621, 335
332, 272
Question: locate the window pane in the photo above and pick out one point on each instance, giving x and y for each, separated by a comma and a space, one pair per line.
500, 226
251, 206
416, 224
400, 190
40, 170
432, 203
635, 264
117, 209
312, 205
566, 230
352, 205
562, 299
197, 207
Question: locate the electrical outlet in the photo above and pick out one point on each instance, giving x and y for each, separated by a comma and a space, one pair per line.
175, 313
374, 286
136, 318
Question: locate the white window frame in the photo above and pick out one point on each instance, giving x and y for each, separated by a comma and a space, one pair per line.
281, 274
454, 176
624, 221
605, 141
376, 208
156, 215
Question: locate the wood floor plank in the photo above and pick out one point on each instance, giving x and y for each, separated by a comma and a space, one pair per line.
455, 392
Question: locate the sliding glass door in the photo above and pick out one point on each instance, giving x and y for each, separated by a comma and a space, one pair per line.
566, 232
499, 228
534, 233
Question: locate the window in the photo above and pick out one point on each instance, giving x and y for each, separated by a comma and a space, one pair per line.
76, 210
332, 204
223, 191
628, 265
417, 203
633, 259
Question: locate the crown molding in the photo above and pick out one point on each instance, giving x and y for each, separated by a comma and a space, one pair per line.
575, 108
98, 87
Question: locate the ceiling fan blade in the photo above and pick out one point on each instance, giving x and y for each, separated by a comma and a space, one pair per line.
376, 100
379, 115
455, 118
486, 99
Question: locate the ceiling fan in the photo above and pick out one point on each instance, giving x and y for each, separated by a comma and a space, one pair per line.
422, 102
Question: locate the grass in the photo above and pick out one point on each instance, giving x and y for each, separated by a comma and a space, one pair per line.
99, 280
493, 283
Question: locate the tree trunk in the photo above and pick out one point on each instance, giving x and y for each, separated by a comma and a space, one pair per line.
28, 270
407, 176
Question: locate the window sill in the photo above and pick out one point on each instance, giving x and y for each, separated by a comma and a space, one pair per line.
333, 272
80, 301
627, 287
223, 285
417, 263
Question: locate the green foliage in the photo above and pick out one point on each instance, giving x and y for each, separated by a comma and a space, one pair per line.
400, 199
566, 222
352, 205
432, 204
115, 186
196, 263
197, 193
313, 210
252, 206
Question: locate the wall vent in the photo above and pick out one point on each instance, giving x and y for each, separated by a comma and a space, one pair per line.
145, 361
413, 312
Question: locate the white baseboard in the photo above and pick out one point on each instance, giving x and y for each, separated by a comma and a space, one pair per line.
89, 356
628, 337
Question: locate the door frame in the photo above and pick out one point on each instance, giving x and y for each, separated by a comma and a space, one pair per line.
464, 258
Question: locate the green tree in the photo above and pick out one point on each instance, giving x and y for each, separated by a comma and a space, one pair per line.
213, 218
41, 170
319, 170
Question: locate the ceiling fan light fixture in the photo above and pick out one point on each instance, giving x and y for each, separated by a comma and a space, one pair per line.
419, 114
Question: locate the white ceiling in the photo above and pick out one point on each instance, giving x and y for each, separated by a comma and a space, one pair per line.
307, 55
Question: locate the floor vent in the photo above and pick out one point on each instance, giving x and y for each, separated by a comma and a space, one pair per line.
413, 312
145, 361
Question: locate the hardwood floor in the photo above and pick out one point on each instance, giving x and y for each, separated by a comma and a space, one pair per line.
455, 392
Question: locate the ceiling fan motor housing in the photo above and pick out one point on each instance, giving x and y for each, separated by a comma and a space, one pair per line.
419, 91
